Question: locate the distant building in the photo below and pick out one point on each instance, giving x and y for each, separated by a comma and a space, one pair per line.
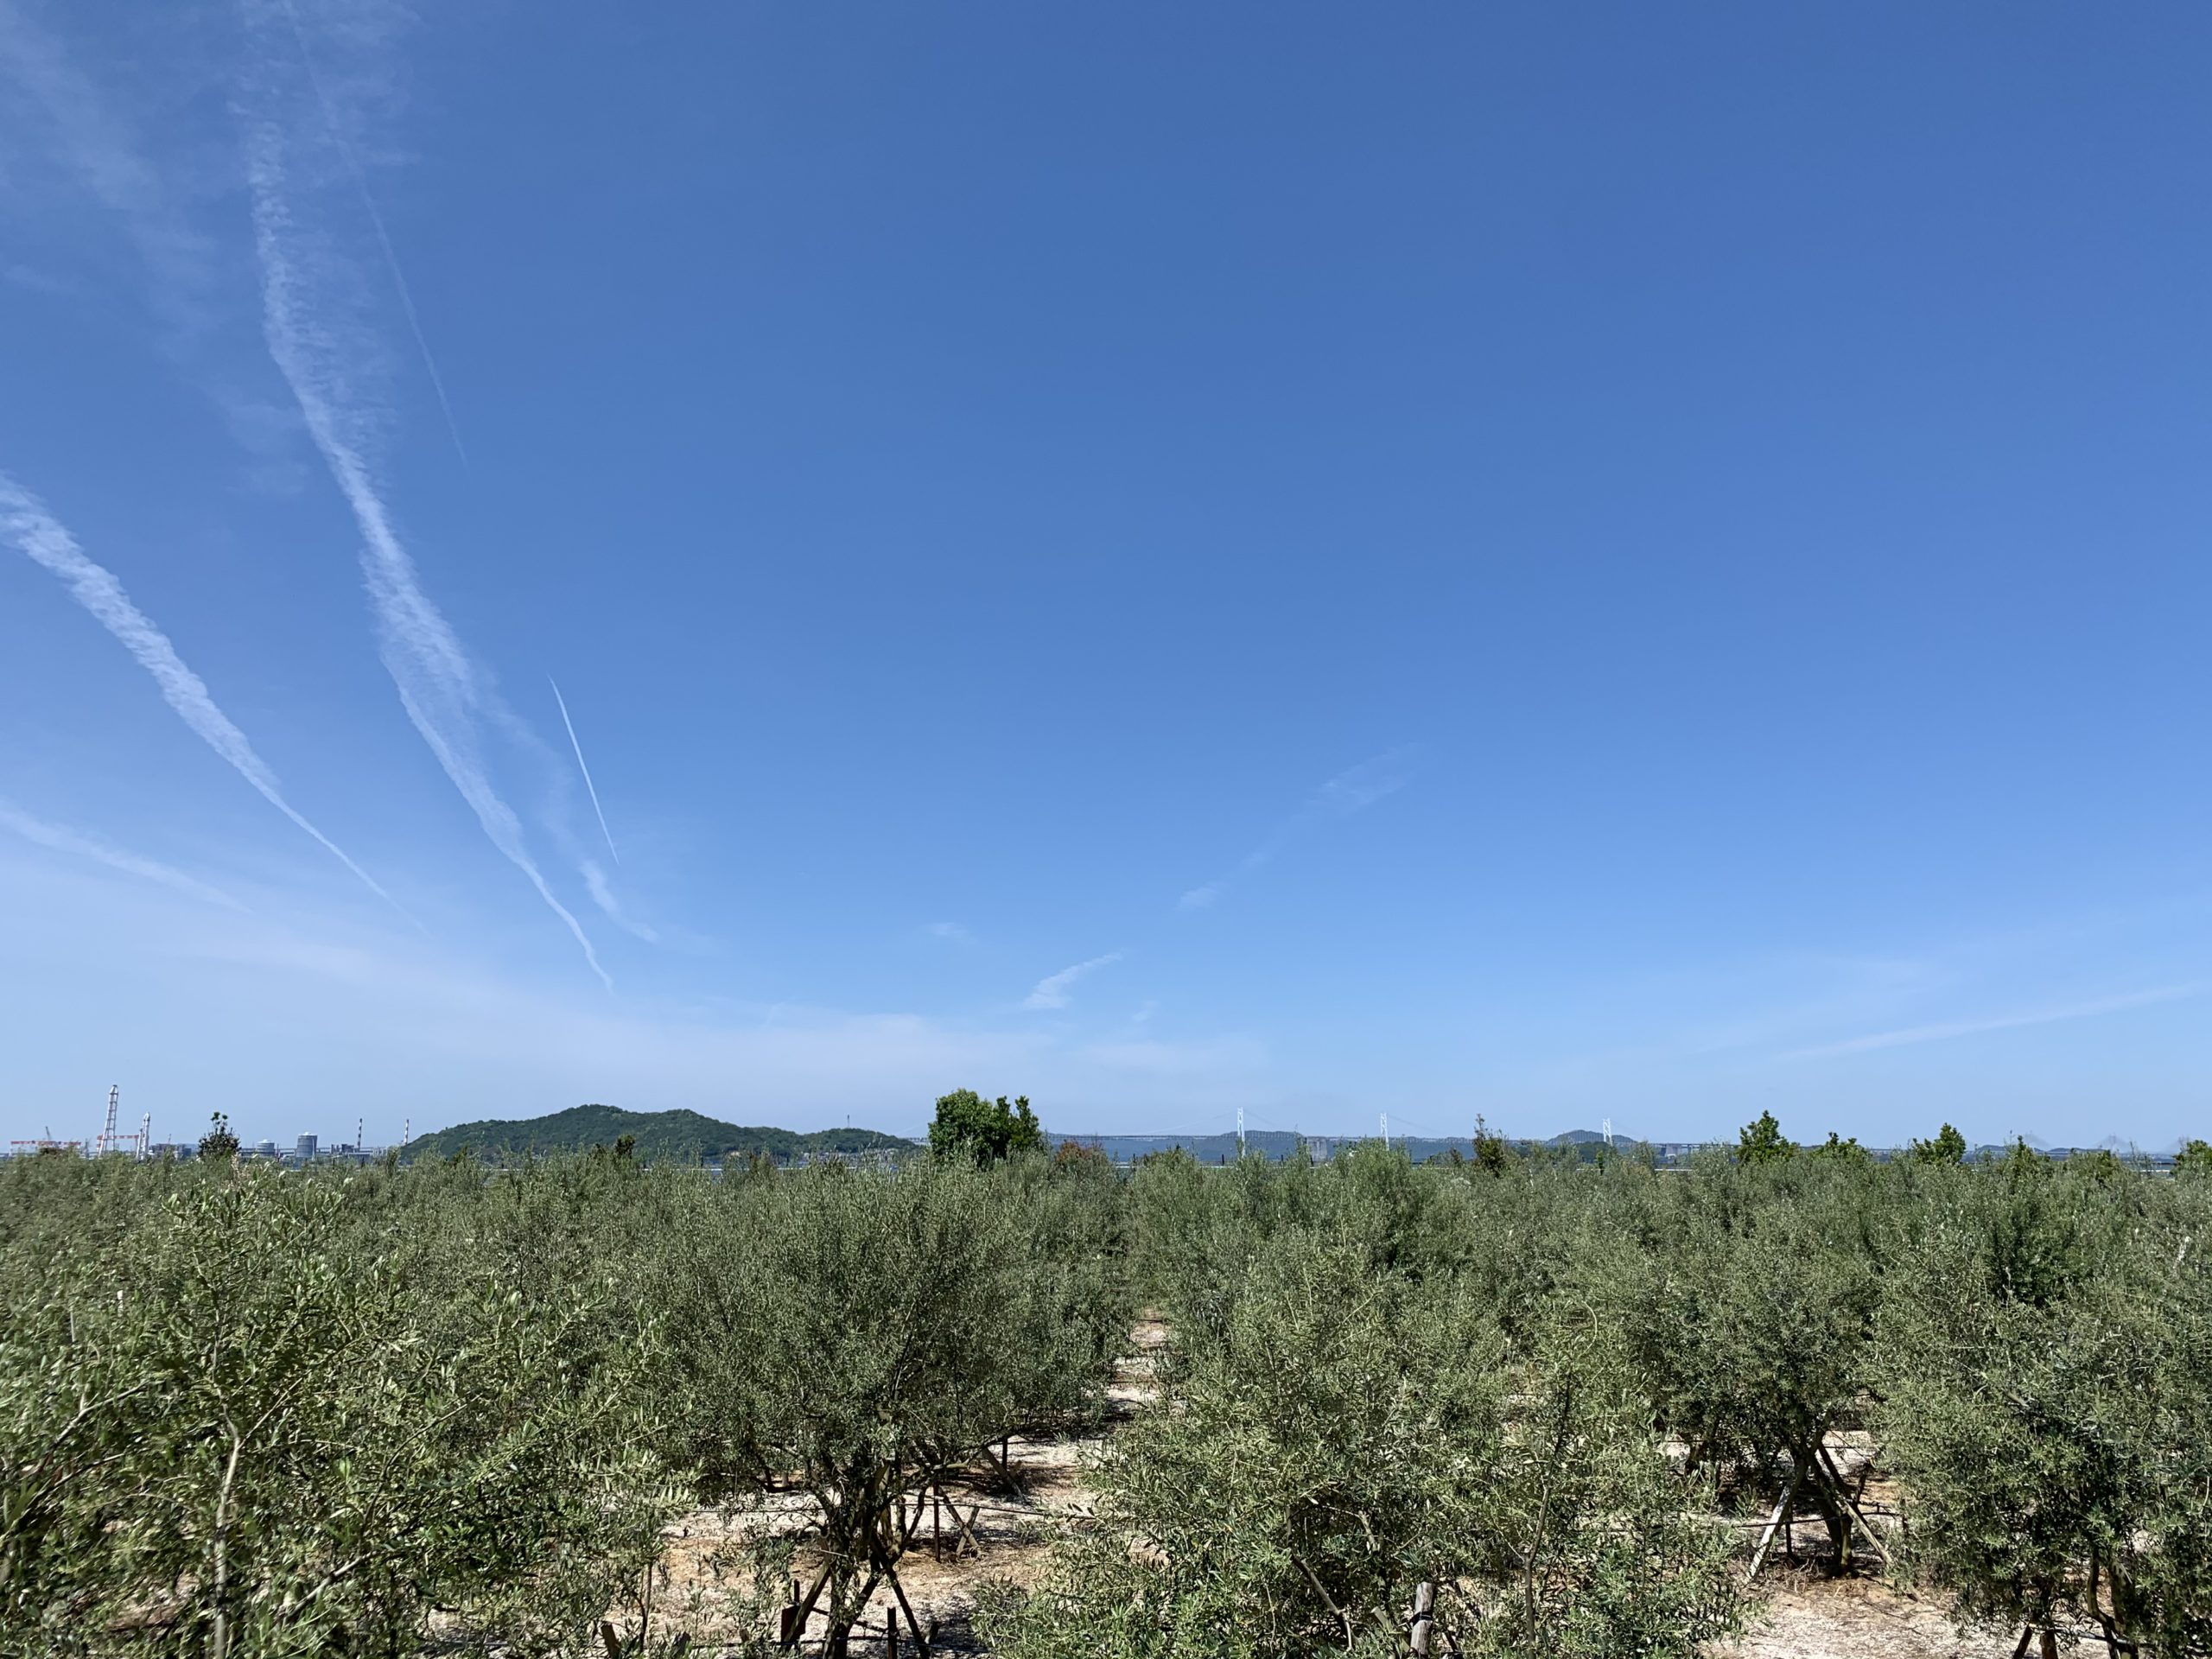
308, 1143
264, 1149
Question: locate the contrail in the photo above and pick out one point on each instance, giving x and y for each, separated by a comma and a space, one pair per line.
439, 686
1350, 792
589, 788
376, 219
25, 521
603, 896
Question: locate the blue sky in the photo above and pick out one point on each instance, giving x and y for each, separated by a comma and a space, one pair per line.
1559, 562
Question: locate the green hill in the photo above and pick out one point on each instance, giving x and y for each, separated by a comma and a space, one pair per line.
677, 1137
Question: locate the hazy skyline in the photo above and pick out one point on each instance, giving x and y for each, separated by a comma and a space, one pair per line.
1553, 565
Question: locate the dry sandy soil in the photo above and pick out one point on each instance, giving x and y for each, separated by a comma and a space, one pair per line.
1810, 1617
1807, 1613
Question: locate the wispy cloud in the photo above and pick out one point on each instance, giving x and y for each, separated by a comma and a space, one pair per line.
950, 932
109, 166
590, 788
1052, 991
505, 1042
1943, 1031
603, 894
25, 521
446, 694
103, 153
1350, 792
406, 295
79, 844
1357, 788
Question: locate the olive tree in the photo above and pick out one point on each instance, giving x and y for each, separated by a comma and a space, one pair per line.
1750, 1304
2047, 1378
1354, 1451
862, 1333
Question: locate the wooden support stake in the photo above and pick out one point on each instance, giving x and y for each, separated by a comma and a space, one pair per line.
795, 1617
891, 1633
1774, 1521
921, 1643
1851, 1505
1424, 1619
967, 1528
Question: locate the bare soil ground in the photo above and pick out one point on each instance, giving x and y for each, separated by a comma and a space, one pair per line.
1809, 1612
1811, 1615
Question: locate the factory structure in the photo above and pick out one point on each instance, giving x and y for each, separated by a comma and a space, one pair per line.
113, 1141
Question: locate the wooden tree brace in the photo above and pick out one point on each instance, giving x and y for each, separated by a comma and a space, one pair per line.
1424, 1621
1842, 1489
967, 1528
1774, 1521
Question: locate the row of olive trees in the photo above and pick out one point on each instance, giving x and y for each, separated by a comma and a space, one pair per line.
244, 1412
1530, 1388
233, 1431
1392, 1412
1494, 1407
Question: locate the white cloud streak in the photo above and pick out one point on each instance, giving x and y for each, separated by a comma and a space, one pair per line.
376, 219
590, 788
1052, 991
1350, 792
1944, 1031
950, 932
60, 839
442, 689
25, 521
110, 166
603, 894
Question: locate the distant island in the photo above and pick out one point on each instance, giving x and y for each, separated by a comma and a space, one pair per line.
675, 1137
689, 1137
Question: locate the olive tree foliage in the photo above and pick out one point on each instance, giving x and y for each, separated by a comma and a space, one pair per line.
2046, 1370
1842, 1149
239, 1435
1195, 1231
861, 1333
1346, 1435
352, 1411
1749, 1304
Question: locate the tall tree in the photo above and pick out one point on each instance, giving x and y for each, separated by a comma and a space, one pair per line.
969, 1129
